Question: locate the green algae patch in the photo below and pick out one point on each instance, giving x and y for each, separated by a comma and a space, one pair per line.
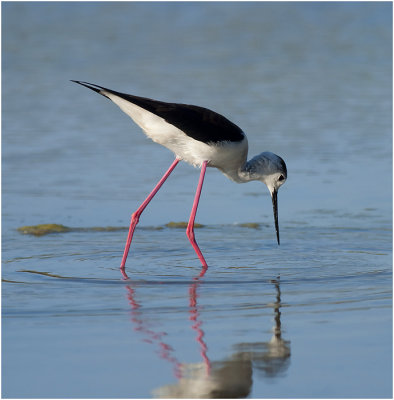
114, 228
251, 225
104, 228
43, 229
182, 225
151, 228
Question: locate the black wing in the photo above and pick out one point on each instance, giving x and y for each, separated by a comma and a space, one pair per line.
197, 122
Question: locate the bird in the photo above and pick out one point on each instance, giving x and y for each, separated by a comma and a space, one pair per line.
202, 138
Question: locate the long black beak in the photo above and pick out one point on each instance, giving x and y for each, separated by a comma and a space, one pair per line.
274, 196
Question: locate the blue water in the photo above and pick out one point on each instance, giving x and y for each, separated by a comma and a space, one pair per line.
312, 318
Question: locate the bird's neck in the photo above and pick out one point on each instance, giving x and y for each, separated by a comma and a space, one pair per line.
243, 174
256, 169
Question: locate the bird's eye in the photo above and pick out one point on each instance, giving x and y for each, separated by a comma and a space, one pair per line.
281, 178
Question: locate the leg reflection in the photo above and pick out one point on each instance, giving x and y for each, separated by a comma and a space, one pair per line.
194, 314
150, 336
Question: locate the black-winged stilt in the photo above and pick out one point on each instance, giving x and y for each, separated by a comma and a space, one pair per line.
202, 138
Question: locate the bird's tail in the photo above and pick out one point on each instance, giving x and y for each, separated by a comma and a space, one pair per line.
99, 89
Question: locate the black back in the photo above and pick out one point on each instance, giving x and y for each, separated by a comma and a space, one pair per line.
197, 122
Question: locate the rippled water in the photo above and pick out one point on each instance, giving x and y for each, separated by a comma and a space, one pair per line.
311, 318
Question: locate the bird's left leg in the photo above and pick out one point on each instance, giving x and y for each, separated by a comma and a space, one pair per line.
136, 215
190, 225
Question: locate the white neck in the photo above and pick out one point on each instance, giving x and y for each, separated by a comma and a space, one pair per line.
240, 175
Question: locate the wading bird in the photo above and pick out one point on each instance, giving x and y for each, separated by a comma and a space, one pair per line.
202, 138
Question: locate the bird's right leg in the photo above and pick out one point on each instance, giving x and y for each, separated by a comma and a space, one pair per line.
136, 215
190, 225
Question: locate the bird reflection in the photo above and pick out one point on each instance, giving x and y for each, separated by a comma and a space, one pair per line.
232, 377
228, 378
270, 358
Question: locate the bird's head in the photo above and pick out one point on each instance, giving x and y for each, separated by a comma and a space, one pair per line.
269, 168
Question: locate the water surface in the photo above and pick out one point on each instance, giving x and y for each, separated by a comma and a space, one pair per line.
311, 318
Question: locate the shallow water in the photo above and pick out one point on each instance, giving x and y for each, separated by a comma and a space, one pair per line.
311, 318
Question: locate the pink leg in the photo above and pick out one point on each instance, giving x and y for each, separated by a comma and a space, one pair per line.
136, 215
190, 225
